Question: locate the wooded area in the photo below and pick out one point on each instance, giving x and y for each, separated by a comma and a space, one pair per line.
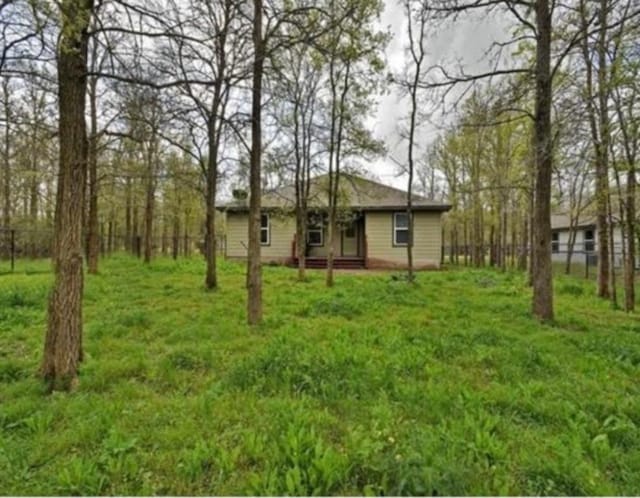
128, 120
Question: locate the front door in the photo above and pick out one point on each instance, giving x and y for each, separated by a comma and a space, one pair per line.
350, 239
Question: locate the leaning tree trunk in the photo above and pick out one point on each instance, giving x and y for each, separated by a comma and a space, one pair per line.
542, 305
63, 342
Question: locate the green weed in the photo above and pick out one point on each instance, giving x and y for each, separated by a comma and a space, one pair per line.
374, 387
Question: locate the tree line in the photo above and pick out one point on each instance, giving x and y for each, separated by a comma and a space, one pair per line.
485, 159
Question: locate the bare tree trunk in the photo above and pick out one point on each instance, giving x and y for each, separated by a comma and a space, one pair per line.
532, 221
503, 251
176, 237
110, 230
301, 241
150, 201
522, 257
6, 177
331, 237
93, 244
211, 278
128, 236
416, 49
602, 167
332, 178
335, 183
186, 250
33, 191
63, 341
477, 254
570, 246
514, 239
599, 123
542, 305
492, 246
136, 231
630, 259
466, 243
254, 269
103, 243
612, 255
630, 141
453, 248
165, 235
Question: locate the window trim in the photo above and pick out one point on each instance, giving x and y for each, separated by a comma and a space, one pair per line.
395, 229
315, 228
591, 241
267, 229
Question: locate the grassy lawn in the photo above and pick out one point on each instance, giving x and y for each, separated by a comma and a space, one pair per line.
373, 387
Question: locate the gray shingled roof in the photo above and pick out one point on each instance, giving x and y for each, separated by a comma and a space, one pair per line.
354, 191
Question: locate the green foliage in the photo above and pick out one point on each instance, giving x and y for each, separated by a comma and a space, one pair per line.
446, 387
300, 464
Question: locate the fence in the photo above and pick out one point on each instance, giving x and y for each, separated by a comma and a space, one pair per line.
19, 244
579, 260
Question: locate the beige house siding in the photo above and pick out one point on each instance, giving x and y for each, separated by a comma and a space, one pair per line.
282, 231
379, 237
427, 240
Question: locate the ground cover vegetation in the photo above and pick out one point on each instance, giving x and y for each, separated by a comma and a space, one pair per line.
446, 387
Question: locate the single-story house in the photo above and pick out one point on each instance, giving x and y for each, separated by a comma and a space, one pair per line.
372, 231
586, 240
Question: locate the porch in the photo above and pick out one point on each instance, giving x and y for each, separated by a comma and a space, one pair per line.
339, 263
349, 248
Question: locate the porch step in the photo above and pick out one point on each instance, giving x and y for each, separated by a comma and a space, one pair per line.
343, 263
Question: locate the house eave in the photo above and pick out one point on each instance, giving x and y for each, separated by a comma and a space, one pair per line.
581, 226
436, 208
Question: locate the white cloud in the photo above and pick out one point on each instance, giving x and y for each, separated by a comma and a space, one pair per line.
466, 42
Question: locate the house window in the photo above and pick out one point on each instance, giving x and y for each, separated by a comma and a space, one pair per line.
589, 241
265, 230
315, 232
400, 229
555, 242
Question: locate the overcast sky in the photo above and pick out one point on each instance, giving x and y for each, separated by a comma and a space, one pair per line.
466, 41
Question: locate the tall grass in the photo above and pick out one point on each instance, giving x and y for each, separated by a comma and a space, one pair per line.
372, 387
